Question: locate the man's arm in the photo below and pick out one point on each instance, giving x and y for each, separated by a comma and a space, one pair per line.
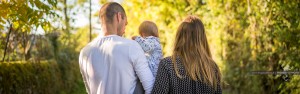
141, 67
82, 65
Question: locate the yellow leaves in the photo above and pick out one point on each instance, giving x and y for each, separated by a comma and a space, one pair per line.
4, 1
23, 29
3, 35
26, 14
1, 27
38, 3
46, 26
286, 22
16, 24
4, 7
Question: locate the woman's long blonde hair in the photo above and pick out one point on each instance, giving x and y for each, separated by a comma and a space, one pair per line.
192, 48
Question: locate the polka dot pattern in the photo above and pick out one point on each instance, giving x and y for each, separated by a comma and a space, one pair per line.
168, 83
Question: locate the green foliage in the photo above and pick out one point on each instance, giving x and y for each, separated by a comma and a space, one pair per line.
44, 77
81, 38
58, 44
26, 14
20, 18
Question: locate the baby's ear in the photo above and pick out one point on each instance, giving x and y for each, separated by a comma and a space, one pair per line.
142, 34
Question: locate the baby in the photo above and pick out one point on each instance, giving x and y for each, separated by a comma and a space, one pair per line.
150, 43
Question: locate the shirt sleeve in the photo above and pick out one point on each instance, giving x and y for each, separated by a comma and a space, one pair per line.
146, 44
83, 67
141, 67
162, 80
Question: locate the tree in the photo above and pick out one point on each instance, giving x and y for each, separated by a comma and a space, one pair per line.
24, 16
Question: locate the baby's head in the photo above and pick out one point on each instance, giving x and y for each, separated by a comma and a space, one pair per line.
148, 28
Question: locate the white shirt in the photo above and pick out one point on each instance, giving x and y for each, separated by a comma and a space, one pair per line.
112, 65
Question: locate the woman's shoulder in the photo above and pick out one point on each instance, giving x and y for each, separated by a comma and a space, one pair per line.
167, 59
166, 63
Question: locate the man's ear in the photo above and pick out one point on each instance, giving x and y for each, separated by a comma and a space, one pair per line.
119, 17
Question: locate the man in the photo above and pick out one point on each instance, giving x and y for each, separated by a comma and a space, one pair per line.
111, 64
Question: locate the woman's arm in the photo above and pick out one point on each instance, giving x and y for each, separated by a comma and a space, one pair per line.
219, 89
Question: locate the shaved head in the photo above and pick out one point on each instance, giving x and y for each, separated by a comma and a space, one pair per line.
109, 10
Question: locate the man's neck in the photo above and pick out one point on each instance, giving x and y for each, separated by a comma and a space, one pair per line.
109, 30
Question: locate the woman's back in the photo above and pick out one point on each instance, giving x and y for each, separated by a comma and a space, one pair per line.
190, 69
168, 82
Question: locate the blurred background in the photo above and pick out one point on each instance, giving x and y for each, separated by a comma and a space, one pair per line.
41, 40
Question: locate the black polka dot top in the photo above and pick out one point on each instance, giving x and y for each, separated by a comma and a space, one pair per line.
168, 83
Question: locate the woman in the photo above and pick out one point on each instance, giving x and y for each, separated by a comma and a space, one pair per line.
190, 69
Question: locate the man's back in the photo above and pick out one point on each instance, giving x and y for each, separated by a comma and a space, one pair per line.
111, 64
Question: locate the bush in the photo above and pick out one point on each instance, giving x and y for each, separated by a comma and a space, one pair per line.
47, 77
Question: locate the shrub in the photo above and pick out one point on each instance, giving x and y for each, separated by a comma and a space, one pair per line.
46, 77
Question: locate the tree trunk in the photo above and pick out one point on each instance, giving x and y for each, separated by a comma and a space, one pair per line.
24, 45
90, 20
66, 19
28, 47
7, 40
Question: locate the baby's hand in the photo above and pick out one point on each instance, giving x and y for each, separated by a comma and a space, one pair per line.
133, 37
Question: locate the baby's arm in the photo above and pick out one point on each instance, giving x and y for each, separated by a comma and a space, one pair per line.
146, 44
